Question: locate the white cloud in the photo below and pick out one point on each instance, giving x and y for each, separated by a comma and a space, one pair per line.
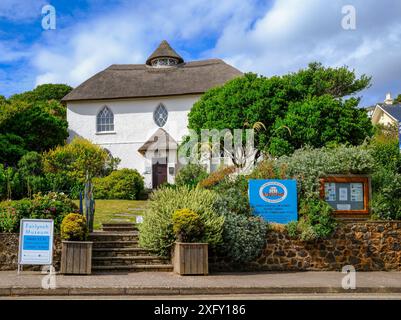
285, 37
128, 35
294, 33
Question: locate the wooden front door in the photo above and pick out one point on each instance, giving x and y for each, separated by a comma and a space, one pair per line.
159, 172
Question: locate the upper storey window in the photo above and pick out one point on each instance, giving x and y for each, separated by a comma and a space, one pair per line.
160, 115
164, 62
105, 120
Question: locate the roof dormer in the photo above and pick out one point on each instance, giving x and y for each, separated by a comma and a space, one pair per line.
164, 56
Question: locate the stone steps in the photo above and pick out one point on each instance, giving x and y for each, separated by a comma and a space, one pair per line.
110, 244
133, 268
129, 260
114, 236
116, 249
119, 227
120, 252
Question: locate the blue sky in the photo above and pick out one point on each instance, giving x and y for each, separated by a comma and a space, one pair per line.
269, 37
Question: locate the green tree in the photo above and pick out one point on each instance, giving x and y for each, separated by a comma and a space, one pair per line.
250, 99
12, 147
39, 129
3, 100
43, 93
78, 158
320, 121
31, 164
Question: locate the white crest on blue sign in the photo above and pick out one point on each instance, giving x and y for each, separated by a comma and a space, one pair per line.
276, 192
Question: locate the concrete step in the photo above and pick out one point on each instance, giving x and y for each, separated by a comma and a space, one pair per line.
119, 227
133, 268
114, 236
129, 260
120, 252
115, 244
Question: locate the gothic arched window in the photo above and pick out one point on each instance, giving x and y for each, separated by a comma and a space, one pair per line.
105, 120
160, 115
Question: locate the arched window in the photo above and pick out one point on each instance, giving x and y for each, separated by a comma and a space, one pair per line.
160, 115
105, 120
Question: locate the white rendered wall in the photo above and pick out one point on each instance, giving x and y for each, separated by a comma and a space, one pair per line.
133, 126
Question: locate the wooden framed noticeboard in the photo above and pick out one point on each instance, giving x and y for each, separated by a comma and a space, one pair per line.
347, 195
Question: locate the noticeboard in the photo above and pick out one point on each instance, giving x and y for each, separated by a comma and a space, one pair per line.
346, 194
36, 242
274, 200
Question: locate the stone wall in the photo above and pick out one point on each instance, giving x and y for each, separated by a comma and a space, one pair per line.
369, 245
9, 252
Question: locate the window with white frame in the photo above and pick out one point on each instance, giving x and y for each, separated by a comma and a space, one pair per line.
105, 120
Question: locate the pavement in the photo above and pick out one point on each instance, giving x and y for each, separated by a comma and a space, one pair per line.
165, 284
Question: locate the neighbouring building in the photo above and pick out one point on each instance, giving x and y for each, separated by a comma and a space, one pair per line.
387, 113
130, 108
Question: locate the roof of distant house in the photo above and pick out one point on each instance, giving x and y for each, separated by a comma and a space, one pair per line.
143, 80
394, 110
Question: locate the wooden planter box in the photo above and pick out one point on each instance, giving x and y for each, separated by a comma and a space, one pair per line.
76, 257
191, 258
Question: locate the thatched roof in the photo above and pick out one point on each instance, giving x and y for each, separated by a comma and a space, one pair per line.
164, 50
160, 140
140, 80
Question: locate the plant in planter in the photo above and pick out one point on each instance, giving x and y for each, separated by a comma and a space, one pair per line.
76, 254
190, 256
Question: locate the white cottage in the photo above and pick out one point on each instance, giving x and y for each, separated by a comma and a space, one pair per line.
127, 109
387, 113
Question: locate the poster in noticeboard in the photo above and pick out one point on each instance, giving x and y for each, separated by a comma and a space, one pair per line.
346, 194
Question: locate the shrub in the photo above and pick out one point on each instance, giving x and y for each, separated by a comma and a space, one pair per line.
12, 186
233, 196
49, 206
77, 159
187, 225
315, 221
216, 177
74, 228
120, 184
190, 175
156, 231
22, 208
308, 165
52, 206
9, 220
243, 238
386, 202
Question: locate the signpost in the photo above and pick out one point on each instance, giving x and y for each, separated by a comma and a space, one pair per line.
35, 242
274, 200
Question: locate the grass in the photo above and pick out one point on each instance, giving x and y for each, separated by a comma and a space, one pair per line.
117, 211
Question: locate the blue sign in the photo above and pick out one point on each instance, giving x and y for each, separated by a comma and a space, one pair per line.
36, 243
274, 200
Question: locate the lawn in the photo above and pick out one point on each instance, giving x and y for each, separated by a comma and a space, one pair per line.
117, 211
